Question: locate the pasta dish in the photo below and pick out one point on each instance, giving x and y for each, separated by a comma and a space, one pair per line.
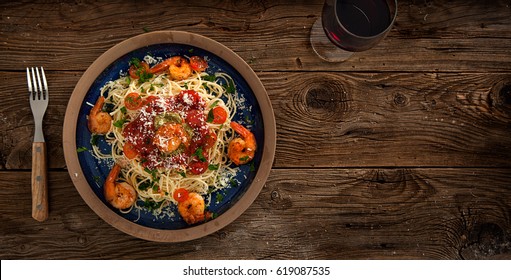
172, 137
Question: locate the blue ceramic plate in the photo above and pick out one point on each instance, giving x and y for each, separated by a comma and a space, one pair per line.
89, 173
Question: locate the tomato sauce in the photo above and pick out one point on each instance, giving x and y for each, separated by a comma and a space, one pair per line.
191, 109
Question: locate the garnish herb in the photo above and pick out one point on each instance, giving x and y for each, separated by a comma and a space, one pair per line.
252, 167
233, 183
143, 76
230, 88
219, 197
154, 173
94, 139
209, 78
245, 158
182, 173
135, 61
213, 105
152, 205
213, 167
145, 185
123, 110
81, 149
211, 117
120, 123
199, 155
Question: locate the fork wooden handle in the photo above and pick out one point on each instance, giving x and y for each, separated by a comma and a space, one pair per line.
39, 182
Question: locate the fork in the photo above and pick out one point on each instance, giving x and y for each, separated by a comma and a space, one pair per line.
38, 95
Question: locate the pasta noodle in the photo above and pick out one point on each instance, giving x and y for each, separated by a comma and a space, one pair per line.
156, 175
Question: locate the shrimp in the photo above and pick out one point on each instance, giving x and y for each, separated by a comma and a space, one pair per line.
170, 136
242, 150
179, 68
99, 122
192, 209
120, 195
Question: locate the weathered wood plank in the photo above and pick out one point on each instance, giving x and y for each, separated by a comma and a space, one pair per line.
270, 35
18, 123
396, 119
360, 119
311, 214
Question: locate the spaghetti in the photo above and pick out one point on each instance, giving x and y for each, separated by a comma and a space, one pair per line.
170, 131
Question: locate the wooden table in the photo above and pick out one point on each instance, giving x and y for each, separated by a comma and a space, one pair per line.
401, 152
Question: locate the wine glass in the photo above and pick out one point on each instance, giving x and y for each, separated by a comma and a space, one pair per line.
348, 26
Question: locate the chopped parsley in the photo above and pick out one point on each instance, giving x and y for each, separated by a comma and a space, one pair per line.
230, 88
209, 78
151, 205
213, 105
120, 123
81, 149
219, 197
153, 173
213, 167
143, 76
146, 185
199, 155
94, 139
135, 62
211, 117
233, 183
123, 110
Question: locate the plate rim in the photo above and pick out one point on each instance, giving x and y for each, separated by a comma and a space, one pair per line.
145, 40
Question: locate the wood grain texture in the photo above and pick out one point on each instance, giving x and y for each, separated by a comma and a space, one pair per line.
18, 122
401, 152
391, 119
427, 36
332, 214
39, 182
337, 119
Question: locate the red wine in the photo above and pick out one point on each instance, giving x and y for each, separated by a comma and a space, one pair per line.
364, 18
357, 25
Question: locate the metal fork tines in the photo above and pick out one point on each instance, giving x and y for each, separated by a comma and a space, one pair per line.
38, 90
38, 99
